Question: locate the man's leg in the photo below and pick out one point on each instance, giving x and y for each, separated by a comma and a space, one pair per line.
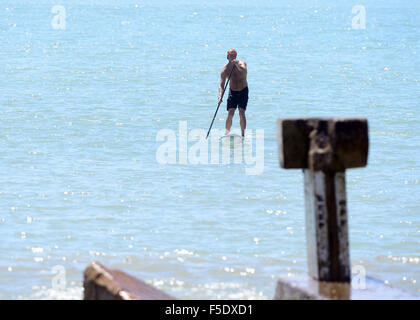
242, 120
231, 113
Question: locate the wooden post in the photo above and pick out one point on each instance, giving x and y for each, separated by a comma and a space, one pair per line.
326, 226
324, 148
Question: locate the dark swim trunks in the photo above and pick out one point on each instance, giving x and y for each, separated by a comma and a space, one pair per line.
238, 99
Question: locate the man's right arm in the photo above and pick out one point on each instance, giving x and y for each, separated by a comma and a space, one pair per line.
222, 84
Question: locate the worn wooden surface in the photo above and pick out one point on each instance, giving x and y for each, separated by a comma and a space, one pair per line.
332, 144
326, 226
101, 283
324, 148
306, 288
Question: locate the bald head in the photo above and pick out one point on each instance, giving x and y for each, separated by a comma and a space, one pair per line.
231, 54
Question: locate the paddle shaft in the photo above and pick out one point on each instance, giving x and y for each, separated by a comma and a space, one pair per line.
218, 105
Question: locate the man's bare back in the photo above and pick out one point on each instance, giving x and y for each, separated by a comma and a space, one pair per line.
238, 77
238, 93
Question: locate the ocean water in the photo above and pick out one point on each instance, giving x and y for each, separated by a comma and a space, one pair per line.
81, 107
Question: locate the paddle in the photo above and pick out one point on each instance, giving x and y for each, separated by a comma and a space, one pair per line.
218, 105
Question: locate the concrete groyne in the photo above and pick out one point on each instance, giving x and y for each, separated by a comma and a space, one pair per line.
323, 148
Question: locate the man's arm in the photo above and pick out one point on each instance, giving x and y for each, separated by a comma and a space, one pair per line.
222, 84
240, 65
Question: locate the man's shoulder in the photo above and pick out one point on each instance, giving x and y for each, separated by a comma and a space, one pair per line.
224, 71
225, 68
242, 62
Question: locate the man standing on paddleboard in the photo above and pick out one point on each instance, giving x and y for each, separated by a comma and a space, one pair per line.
238, 91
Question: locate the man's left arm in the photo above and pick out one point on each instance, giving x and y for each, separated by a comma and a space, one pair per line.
240, 65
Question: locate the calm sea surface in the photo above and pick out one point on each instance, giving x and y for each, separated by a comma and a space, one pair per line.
81, 107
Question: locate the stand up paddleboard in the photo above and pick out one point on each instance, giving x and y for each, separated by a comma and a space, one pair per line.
230, 135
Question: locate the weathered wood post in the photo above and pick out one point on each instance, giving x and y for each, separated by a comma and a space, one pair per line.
324, 148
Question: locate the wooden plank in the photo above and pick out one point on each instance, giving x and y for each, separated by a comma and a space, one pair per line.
323, 143
101, 283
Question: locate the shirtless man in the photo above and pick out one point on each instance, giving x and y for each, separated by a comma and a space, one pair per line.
238, 91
